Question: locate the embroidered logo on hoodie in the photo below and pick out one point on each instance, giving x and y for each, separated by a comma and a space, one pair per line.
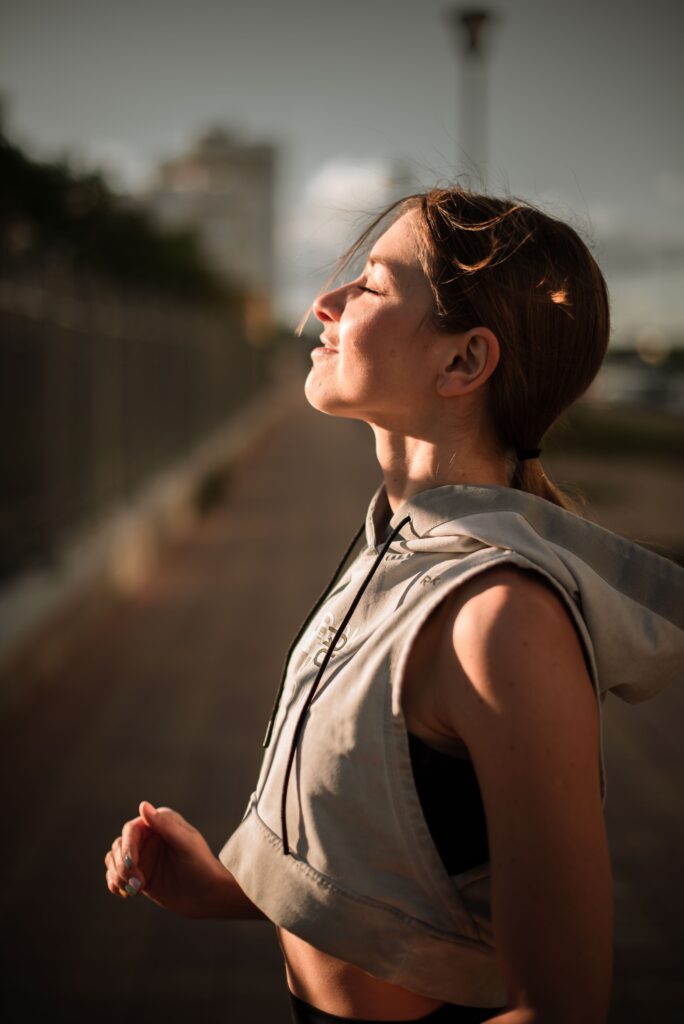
317, 641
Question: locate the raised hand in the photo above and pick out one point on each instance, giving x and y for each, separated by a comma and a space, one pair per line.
161, 855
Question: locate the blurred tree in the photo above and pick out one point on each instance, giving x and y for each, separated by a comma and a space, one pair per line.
51, 212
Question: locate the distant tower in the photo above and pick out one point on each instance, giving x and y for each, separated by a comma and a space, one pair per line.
470, 27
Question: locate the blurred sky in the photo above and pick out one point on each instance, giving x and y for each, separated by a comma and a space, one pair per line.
586, 111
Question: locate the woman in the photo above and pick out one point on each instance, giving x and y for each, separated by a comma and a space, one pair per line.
427, 829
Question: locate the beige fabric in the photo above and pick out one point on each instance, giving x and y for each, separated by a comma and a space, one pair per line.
364, 880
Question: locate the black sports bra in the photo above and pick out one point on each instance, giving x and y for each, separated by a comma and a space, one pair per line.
452, 805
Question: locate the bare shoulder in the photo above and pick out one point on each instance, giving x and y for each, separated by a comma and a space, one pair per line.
509, 644
506, 588
510, 606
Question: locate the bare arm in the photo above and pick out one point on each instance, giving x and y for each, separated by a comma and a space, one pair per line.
514, 685
161, 855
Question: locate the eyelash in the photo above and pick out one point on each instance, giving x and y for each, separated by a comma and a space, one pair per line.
363, 289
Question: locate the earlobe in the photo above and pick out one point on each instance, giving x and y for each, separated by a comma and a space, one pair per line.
473, 360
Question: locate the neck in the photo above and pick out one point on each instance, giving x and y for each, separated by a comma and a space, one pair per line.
411, 465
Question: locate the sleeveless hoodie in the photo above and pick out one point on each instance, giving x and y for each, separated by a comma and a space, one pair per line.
333, 845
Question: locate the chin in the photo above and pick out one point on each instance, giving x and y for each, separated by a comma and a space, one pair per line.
323, 397
332, 408
320, 397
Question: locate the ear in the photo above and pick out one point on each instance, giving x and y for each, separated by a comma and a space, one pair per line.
473, 357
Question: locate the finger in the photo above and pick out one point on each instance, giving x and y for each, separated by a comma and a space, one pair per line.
131, 850
117, 856
177, 818
114, 874
129, 882
114, 888
158, 817
108, 876
111, 879
132, 838
148, 812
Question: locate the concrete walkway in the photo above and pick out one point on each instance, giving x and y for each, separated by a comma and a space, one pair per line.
164, 695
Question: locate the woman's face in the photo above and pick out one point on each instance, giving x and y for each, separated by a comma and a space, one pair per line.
376, 333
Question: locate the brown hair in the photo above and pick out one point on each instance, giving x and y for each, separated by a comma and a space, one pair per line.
503, 264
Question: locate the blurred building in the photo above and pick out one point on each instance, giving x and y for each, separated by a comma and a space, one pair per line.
224, 189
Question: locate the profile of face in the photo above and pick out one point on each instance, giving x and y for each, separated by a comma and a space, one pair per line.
382, 359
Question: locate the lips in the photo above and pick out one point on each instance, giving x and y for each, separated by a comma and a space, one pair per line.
328, 344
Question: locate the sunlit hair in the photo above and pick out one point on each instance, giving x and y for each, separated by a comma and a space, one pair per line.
528, 277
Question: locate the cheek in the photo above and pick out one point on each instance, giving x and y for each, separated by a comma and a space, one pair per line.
377, 335
380, 353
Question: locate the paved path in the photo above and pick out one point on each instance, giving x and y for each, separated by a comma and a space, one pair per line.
165, 695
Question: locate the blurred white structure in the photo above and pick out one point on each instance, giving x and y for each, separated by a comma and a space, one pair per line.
471, 28
224, 189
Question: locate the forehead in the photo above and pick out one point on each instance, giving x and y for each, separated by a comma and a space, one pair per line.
397, 248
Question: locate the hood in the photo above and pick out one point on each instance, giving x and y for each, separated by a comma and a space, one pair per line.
631, 599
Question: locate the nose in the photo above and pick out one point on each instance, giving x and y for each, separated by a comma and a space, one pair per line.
329, 305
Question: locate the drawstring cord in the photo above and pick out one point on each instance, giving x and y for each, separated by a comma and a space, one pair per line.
319, 601
312, 690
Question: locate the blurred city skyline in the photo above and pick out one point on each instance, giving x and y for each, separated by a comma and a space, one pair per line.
585, 113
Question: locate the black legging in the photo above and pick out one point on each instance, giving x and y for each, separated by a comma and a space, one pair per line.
303, 1013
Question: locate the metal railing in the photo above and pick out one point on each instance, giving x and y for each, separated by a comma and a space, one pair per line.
98, 391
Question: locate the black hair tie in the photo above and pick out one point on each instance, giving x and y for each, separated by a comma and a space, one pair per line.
531, 453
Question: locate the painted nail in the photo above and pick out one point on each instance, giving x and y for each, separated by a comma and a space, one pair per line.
128, 862
133, 887
123, 894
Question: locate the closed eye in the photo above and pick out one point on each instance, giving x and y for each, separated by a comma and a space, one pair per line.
364, 289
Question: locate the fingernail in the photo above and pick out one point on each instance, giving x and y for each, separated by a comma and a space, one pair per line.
128, 862
123, 893
133, 887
